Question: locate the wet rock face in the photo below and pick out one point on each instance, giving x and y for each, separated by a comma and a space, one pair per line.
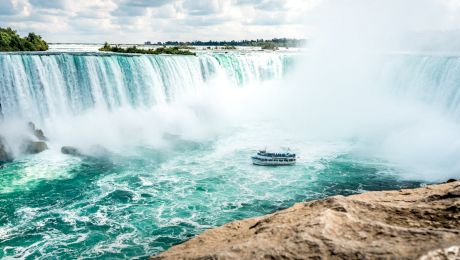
34, 147
38, 133
70, 150
405, 224
31, 126
28, 146
5, 151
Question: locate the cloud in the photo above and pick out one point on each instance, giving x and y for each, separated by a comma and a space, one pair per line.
131, 21
204, 7
146, 3
7, 8
248, 2
203, 21
272, 5
136, 21
137, 7
61, 4
11, 8
268, 20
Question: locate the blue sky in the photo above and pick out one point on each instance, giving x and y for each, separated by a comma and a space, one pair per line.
135, 21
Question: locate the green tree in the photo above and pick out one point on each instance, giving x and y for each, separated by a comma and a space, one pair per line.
5, 40
11, 41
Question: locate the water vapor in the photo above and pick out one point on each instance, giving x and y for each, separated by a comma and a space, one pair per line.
340, 92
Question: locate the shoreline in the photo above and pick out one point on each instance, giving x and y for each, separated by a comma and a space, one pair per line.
409, 223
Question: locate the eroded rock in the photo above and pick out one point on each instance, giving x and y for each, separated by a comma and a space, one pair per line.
34, 147
405, 224
31, 146
31, 126
70, 150
5, 151
38, 133
449, 253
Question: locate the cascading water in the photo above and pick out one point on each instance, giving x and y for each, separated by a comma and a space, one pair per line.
37, 86
432, 79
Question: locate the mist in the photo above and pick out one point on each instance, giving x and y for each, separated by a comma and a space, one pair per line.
340, 93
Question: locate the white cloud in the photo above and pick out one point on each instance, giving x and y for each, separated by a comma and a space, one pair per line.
136, 21
140, 20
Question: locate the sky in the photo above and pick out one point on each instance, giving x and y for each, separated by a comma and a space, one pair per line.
137, 21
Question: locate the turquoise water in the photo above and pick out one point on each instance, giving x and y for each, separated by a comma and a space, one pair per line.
143, 201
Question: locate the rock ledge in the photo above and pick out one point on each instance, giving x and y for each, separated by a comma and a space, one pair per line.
405, 224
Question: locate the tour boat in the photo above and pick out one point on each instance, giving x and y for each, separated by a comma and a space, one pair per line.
265, 158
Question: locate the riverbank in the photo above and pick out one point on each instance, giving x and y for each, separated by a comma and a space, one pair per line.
406, 224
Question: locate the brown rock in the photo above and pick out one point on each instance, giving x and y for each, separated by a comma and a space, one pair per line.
36, 132
70, 150
40, 135
5, 151
406, 224
32, 147
452, 252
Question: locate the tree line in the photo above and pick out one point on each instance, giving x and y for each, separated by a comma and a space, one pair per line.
11, 41
276, 42
162, 50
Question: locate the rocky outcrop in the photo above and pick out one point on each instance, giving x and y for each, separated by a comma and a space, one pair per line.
30, 146
70, 150
38, 133
5, 151
405, 224
34, 147
448, 253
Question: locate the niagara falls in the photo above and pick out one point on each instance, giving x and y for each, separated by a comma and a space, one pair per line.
229, 129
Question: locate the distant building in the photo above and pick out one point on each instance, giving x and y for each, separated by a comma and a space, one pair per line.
147, 43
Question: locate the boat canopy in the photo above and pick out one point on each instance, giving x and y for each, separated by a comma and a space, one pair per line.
264, 153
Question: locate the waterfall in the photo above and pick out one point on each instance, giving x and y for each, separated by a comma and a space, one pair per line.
38, 86
50, 84
431, 79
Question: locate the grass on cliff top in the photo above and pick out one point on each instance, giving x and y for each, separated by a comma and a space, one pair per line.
162, 50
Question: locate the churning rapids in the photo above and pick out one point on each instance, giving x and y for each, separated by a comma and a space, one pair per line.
174, 137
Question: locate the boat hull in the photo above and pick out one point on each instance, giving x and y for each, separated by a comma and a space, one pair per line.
262, 162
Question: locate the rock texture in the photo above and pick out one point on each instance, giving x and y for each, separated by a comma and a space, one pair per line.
70, 150
34, 147
405, 224
5, 151
38, 133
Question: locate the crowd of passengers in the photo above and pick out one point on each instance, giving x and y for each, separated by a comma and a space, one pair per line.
275, 160
276, 154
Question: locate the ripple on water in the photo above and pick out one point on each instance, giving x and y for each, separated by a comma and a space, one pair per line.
139, 205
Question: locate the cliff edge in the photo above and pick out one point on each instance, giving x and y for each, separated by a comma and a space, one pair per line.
406, 224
